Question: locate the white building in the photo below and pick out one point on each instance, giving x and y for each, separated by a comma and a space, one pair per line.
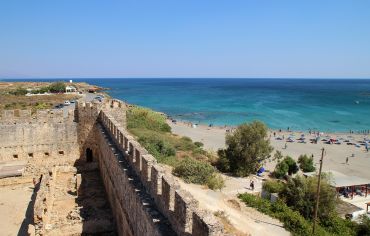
70, 89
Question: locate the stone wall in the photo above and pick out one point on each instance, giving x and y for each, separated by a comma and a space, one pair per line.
137, 186
45, 134
145, 200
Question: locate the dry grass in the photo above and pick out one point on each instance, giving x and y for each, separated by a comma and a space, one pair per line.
234, 204
229, 228
10, 102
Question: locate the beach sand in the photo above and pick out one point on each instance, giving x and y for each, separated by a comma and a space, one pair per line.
246, 219
213, 138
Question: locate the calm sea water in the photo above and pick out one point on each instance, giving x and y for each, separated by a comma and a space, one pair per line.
320, 104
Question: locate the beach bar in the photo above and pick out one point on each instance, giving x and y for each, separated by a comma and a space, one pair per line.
346, 185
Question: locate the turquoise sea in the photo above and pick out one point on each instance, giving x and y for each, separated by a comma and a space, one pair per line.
329, 105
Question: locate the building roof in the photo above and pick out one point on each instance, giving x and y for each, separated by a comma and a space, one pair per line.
338, 179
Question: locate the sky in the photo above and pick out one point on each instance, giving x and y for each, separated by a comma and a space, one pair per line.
185, 38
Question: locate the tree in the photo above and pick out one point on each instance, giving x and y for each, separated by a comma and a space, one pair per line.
278, 156
306, 163
286, 166
281, 169
300, 194
246, 148
57, 87
293, 167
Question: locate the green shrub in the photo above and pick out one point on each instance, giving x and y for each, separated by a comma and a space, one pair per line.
278, 156
193, 171
293, 167
281, 169
306, 163
157, 146
222, 163
41, 105
364, 226
185, 144
40, 90
287, 165
215, 182
339, 226
57, 87
291, 219
139, 117
19, 91
198, 144
273, 186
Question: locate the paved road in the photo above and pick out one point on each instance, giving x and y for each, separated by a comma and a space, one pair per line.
87, 97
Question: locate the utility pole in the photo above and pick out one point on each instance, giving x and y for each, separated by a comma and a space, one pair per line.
318, 193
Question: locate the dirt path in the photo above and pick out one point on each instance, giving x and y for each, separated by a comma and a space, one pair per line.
14, 203
244, 219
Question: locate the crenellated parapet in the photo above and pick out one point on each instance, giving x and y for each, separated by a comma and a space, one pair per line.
40, 116
177, 205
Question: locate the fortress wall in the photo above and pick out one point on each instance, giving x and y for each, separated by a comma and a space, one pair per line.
86, 116
45, 134
133, 208
178, 206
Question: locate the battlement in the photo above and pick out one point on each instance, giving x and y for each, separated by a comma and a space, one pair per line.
176, 204
26, 116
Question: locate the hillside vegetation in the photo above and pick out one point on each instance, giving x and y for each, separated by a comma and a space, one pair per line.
188, 159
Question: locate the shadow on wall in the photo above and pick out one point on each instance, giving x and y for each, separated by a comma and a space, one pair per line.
29, 212
94, 208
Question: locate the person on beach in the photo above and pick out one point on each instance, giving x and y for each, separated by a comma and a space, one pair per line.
286, 146
274, 134
34, 182
251, 185
346, 160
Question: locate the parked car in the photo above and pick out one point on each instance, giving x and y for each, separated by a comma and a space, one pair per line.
100, 99
59, 106
67, 103
73, 101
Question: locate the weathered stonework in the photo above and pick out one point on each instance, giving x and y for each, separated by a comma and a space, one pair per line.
144, 200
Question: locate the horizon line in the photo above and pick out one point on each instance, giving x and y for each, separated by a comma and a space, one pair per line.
81, 78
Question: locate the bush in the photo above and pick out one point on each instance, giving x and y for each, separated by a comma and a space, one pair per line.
57, 87
273, 186
198, 144
19, 91
364, 226
157, 147
306, 163
222, 163
42, 105
291, 219
143, 118
215, 181
278, 155
40, 90
193, 171
281, 169
287, 165
299, 193
293, 167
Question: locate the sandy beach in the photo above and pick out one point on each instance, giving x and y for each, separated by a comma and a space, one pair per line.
246, 219
334, 159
